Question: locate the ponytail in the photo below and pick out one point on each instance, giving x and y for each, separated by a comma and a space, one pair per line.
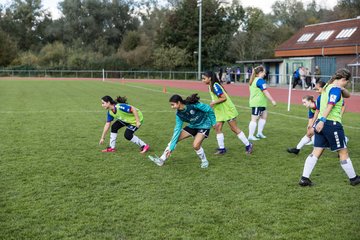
192, 99
120, 99
339, 74
255, 72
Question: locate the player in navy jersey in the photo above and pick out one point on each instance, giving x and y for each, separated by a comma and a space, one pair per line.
123, 115
200, 117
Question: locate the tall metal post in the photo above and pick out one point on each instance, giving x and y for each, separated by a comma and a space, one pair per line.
199, 4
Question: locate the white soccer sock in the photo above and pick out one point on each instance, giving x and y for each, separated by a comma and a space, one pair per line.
313, 138
163, 156
252, 128
220, 140
348, 168
201, 154
137, 141
113, 137
303, 141
261, 125
309, 165
243, 138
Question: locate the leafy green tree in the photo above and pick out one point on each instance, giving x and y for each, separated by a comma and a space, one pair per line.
348, 8
94, 19
8, 49
219, 23
53, 55
170, 58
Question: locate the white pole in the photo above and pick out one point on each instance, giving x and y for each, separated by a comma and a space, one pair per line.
289, 96
199, 4
103, 75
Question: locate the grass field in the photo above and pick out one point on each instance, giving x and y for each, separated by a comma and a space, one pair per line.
56, 183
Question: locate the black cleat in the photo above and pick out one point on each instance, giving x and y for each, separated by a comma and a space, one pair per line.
355, 181
293, 150
304, 182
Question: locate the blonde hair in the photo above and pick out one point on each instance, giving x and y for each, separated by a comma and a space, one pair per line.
255, 72
339, 74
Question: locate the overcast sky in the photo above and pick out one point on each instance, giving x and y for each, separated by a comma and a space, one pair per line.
265, 5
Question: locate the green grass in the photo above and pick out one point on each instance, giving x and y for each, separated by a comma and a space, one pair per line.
56, 184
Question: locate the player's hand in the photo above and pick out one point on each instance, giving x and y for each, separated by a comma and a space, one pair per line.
138, 124
319, 126
212, 104
102, 140
273, 102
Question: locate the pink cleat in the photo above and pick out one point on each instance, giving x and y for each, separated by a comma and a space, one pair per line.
109, 149
145, 148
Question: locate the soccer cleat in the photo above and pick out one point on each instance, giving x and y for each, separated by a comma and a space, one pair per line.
293, 150
355, 181
249, 148
304, 182
260, 136
204, 164
158, 161
145, 148
220, 151
109, 149
252, 138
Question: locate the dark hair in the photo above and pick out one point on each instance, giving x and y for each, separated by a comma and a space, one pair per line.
308, 98
339, 74
213, 78
112, 101
321, 84
256, 71
108, 99
120, 99
192, 99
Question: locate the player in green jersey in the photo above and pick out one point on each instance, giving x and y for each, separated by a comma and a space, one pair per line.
329, 132
123, 115
259, 95
225, 111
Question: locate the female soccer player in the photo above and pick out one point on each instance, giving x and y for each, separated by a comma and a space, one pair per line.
328, 129
258, 102
308, 102
200, 117
225, 111
125, 116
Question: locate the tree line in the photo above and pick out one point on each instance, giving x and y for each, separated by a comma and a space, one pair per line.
150, 34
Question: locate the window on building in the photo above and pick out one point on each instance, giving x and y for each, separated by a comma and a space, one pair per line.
346, 33
305, 37
324, 35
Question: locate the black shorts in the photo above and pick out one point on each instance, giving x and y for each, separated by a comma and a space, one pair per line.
257, 111
331, 136
119, 124
194, 131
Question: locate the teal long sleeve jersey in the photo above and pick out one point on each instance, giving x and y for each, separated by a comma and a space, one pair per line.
199, 116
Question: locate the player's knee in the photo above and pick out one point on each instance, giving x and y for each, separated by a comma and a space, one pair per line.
196, 146
128, 135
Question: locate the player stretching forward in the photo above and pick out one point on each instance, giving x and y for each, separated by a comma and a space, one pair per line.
200, 117
329, 131
125, 116
225, 111
258, 102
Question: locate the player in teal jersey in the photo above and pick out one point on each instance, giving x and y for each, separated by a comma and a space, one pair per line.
259, 95
125, 116
225, 111
200, 117
329, 132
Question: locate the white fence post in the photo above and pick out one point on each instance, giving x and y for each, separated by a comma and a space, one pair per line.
289, 95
